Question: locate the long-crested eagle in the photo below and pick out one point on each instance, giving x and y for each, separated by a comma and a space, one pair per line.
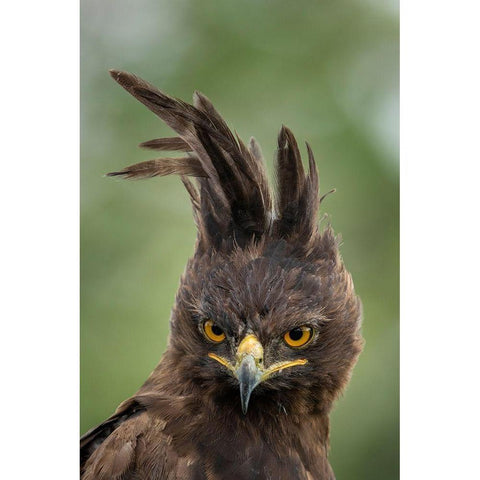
265, 329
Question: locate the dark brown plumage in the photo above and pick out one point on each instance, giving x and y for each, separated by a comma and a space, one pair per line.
265, 328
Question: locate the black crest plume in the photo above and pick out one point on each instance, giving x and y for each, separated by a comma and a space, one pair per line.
232, 200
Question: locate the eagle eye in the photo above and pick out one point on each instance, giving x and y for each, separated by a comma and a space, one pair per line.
213, 332
298, 337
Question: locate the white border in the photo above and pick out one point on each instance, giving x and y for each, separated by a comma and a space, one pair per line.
39, 198
439, 239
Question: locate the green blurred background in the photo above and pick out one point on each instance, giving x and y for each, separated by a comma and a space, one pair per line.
328, 70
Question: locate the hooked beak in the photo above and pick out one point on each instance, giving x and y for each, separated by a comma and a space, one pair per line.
249, 369
249, 376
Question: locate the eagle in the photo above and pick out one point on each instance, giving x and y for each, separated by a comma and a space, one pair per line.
266, 325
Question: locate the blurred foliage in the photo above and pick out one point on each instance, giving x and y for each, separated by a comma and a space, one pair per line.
329, 70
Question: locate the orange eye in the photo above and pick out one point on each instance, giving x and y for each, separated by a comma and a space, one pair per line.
298, 337
213, 332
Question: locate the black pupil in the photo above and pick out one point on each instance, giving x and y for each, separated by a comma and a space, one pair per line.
217, 331
296, 334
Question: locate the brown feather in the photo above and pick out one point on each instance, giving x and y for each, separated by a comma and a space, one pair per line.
189, 166
255, 150
172, 144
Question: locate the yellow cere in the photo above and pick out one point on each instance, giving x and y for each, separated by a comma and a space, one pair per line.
213, 333
298, 337
250, 345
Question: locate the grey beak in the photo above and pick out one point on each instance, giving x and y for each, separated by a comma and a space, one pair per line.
249, 377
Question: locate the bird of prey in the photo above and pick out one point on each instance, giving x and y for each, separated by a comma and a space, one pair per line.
265, 329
